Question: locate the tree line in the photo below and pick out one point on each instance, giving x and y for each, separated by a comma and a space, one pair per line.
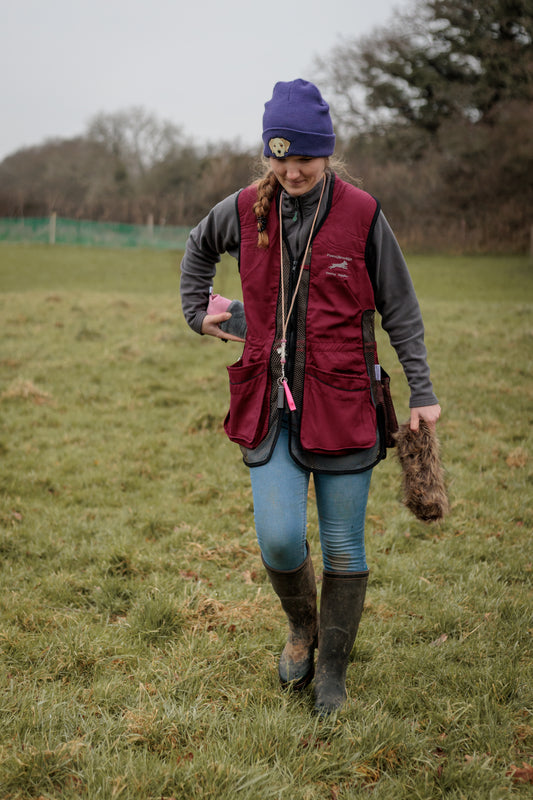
433, 112
127, 166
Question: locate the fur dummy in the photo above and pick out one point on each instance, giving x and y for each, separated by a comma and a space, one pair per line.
424, 489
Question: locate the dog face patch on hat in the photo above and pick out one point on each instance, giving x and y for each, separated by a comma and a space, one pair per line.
279, 147
297, 119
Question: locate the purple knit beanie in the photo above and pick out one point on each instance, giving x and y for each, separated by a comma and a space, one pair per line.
296, 122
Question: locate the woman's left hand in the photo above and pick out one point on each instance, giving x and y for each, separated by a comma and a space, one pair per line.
428, 413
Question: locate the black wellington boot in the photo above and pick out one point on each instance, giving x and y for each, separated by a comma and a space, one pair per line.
341, 606
296, 590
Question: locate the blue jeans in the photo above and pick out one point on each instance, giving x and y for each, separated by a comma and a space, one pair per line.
280, 490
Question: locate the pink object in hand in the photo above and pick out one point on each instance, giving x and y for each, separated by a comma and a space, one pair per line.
217, 304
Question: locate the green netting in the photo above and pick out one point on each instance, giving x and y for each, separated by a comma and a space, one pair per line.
95, 234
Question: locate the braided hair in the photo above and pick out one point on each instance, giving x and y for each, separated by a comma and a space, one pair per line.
266, 190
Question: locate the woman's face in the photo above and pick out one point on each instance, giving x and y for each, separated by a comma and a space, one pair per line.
298, 174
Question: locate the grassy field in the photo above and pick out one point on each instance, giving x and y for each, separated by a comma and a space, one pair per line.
139, 634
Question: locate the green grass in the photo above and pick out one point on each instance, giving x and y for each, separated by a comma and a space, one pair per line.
139, 635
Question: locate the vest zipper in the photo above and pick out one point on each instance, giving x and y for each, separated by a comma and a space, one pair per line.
292, 328
291, 332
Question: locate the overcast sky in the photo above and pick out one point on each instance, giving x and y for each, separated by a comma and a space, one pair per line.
205, 65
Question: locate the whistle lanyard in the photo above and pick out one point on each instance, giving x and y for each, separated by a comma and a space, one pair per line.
283, 386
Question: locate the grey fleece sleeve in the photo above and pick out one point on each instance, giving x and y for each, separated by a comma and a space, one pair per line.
217, 233
398, 307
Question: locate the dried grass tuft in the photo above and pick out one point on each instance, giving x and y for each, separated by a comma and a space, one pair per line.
22, 389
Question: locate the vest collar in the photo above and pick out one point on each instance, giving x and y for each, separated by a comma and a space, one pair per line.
305, 204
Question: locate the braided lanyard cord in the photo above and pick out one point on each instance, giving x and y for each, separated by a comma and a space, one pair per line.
283, 386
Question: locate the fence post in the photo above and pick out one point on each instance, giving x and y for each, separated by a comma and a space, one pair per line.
52, 230
150, 225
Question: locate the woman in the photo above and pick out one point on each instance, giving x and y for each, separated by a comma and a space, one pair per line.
316, 257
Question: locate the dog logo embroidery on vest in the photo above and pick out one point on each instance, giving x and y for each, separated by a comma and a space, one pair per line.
279, 146
343, 265
339, 266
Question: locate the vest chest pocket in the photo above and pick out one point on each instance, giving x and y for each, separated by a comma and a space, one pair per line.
247, 420
338, 415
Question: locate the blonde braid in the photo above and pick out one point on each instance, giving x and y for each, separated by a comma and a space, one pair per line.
266, 190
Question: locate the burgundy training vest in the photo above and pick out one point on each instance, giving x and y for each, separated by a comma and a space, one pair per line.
335, 412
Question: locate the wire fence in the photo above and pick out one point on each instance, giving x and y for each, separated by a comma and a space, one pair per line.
58, 230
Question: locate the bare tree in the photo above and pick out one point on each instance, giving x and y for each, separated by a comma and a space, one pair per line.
135, 138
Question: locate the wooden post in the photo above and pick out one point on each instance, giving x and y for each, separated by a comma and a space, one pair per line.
52, 231
150, 225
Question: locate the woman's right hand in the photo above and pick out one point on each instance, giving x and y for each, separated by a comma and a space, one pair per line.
211, 327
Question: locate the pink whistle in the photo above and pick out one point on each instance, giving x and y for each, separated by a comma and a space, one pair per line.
288, 395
